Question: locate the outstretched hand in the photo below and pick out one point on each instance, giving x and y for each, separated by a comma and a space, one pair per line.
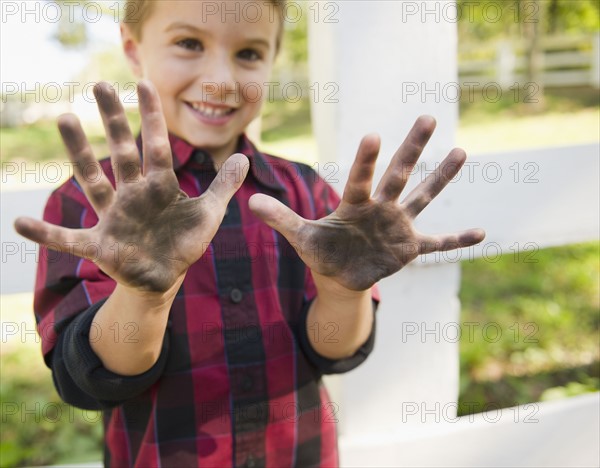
370, 237
149, 232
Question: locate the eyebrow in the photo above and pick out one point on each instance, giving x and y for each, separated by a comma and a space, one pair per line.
178, 25
259, 42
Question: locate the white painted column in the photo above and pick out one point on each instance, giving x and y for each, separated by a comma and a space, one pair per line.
392, 61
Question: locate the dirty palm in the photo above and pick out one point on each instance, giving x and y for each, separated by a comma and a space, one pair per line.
368, 237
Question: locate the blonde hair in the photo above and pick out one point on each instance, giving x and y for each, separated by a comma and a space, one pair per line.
138, 11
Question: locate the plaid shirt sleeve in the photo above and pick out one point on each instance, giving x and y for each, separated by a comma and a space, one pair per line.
68, 293
325, 201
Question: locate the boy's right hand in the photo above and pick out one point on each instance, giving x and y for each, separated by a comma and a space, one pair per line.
149, 232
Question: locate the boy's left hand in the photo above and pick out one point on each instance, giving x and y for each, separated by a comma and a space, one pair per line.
368, 238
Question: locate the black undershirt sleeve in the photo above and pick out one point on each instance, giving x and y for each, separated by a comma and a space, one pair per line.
81, 379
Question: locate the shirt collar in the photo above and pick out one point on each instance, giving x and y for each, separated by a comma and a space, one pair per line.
262, 171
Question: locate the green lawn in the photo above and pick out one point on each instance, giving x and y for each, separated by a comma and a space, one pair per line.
551, 129
544, 326
37, 427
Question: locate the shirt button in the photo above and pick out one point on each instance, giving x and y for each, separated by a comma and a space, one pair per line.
247, 383
199, 157
236, 296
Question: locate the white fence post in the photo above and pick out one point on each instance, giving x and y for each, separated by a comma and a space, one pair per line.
595, 71
505, 64
389, 65
565, 61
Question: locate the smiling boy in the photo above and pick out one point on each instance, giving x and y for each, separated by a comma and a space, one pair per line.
193, 322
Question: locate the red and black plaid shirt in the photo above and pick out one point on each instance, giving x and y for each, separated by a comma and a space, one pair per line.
237, 382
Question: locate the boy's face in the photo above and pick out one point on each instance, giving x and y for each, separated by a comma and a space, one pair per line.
210, 74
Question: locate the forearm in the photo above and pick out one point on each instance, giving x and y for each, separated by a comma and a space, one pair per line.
339, 320
128, 330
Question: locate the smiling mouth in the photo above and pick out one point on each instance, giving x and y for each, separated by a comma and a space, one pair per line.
210, 111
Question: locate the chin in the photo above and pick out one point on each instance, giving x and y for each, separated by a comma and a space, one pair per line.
206, 143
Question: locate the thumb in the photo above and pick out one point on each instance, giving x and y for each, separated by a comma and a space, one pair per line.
230, 177
276, 215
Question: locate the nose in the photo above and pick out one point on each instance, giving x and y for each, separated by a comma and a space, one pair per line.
218, 78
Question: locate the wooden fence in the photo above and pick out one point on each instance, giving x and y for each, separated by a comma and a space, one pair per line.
565, 61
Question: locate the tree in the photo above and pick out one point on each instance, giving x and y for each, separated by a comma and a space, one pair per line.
534, 55
71, 29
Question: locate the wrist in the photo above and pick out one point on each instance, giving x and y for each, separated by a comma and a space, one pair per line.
342, 314
329, 287
149, 300
143, 317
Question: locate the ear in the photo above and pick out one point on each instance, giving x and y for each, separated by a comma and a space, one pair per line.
131, 49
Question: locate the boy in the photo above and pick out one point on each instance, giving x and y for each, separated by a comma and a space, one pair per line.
210, 302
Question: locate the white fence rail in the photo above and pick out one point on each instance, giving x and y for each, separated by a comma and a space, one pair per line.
565, 61
561, 433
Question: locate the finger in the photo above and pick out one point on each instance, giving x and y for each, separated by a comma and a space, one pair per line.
87, 169
435, 182
155, 136
445, 242
396, 175
228, 180
358, 187
276, 215
54, 237
124, 152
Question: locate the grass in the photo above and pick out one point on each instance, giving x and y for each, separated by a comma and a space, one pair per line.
522, 132
41, 142
571, 117
37, 427
547, 312
287, 131
30, 146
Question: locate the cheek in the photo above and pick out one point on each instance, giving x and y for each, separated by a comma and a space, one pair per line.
254, 92
169, 79
167, 70
254, 88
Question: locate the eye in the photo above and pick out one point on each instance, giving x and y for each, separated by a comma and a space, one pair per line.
250, 54
190, 44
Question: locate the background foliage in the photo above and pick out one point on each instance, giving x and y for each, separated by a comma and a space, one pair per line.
491, 20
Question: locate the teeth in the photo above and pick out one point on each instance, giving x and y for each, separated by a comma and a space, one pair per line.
210, 111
